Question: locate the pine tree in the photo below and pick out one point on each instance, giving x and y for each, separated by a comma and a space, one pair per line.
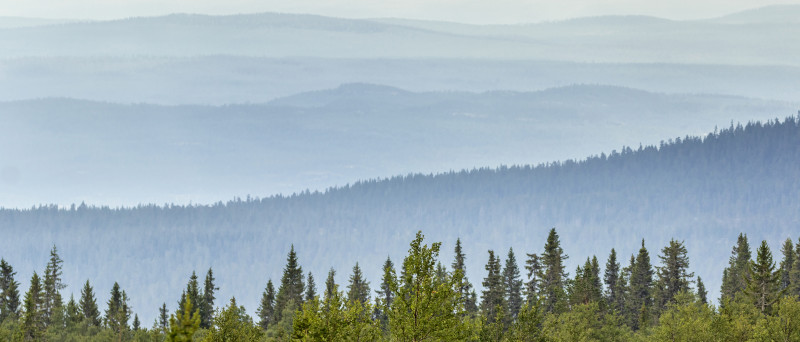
534, 268
385, 294
441, 273
74, 316
585, 288
266, 311
330, 283
358, 289
787, 263
291, 288
794, 274
673, 275
163, 317
610, 279
33, 318
702, 294
207, 303
52, 286
459, 264
734, 277
136, 323
493, 290
183, 325
513, 285
641, 286
118, 313
311, 287
763, 287
554, 274
193, 293
9, 292
88, 305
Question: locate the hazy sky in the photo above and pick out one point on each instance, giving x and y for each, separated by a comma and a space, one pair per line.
472, 11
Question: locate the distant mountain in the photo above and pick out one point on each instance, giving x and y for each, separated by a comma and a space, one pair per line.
776, 14
702, 190
16, 22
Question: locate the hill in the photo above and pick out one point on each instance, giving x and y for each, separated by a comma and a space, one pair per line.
704, 190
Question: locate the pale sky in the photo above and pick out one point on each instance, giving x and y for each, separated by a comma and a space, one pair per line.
468, 11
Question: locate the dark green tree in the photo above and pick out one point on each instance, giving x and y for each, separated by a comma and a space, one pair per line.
585, 288
118, 313
534, 268
88, 305
358, 289
702, 294
136, 323
610, 279
163, 317
52, 286
641, 287
513, 285
292, 287
32, 326
73, 313
192, 293
794, 274
266, 311
763, 286
9, 292
207, 303
673, 274
311, 287
494, 292
787, 263
330, 283
385, 294
459, 264
734, 277
232, 324
554, 276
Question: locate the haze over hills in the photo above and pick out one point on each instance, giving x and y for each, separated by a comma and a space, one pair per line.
701, 190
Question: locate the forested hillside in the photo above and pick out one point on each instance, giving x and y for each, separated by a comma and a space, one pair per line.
701, 190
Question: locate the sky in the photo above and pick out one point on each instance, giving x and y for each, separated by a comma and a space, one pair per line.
467, 11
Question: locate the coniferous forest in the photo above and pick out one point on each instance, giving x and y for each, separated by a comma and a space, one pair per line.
425, 298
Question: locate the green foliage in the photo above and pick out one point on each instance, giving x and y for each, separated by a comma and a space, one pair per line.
335, 320
9, 292
528, 326
582, 323
685, 319
266, 311
493, 289
555, 275
735, 276
88, 305
534, 268
311, 287
424, 310
118, 312
641, 288
763, 287
784, 325
184, 324
291, 288
358, 289
610, 279
673, 274
33, 324
465, 288
207, 303
735, 320
383, 302
232, 324
512, 285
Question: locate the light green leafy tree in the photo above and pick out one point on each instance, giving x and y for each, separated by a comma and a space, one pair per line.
335, 320
232, 324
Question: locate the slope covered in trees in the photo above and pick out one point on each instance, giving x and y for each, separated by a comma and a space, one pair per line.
705, 190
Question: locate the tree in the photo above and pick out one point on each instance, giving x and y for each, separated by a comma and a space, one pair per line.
528, 326
311, 287
232, 324
534, 268
641, 283
192, 293
734, 277
291, 285
493, 295
136, 323
684, 320
783, 325
673, 275
335, 320
464, 289
9, 292
266, 311
118, 313
610, 279
73, 312
330, 283
207, 303
763, 286
702, 294
88, 305
554, 274
786, 264
422, 309
358, 289
33, 318
586, 287
182, 327
163, 317
794, 274
385, 294
52, 286
513, 285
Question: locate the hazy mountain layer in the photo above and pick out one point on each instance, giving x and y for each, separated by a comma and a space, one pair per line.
704, 191
68, 151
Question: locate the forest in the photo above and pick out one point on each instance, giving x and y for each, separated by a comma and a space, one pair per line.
421, 299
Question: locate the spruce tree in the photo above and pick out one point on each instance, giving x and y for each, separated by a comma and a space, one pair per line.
291, 288
9, 292
193, 293
136, 323
641, 286
207, 303
184, 323
763, 286
73, 312
734, 277
163, 317
464, 289
794, 274
493, 289
787, 263
311, 287
385, 294
330, 283
673, 275
585, 288
534, 268
266, 310
52, 286
554, 274
358, 289
118, 313
513, 285
610, 279
88, 305
32, 326
702, 294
